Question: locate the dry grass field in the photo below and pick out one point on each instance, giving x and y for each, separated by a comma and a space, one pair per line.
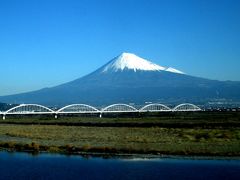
156, 140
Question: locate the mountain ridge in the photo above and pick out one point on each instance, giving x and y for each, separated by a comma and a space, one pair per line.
131, 84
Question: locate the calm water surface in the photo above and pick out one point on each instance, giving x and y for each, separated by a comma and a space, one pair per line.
48, 166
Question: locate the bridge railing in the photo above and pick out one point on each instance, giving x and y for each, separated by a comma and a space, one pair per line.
26, 109
77, 108
117, 108
155, 108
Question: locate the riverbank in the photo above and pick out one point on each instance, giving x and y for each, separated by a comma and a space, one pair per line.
121, 140
188, 134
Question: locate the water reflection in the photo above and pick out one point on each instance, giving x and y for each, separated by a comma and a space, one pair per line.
49, 166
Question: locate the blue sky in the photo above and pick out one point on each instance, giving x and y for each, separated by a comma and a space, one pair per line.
44, 43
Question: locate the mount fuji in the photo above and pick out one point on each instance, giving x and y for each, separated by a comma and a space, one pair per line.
127, 61
130, 79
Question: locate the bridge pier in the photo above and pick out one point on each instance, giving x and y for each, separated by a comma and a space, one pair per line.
4, 117
56, 116
100, 115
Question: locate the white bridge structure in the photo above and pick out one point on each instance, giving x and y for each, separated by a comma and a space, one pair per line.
35, 109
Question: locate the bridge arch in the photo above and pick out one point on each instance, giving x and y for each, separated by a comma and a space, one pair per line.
187, 107
119, 108
155, 108
29, 109
78, 108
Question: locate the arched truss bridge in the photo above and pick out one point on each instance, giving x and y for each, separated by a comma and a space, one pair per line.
25, 109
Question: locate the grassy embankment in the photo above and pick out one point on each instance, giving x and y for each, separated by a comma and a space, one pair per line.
211, 134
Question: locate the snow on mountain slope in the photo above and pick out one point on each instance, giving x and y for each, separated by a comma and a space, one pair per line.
132, 62
173, 70
128, 78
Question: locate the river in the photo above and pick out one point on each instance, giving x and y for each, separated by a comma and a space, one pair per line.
54, 166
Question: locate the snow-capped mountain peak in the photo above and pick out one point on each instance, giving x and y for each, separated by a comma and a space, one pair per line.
128, 61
